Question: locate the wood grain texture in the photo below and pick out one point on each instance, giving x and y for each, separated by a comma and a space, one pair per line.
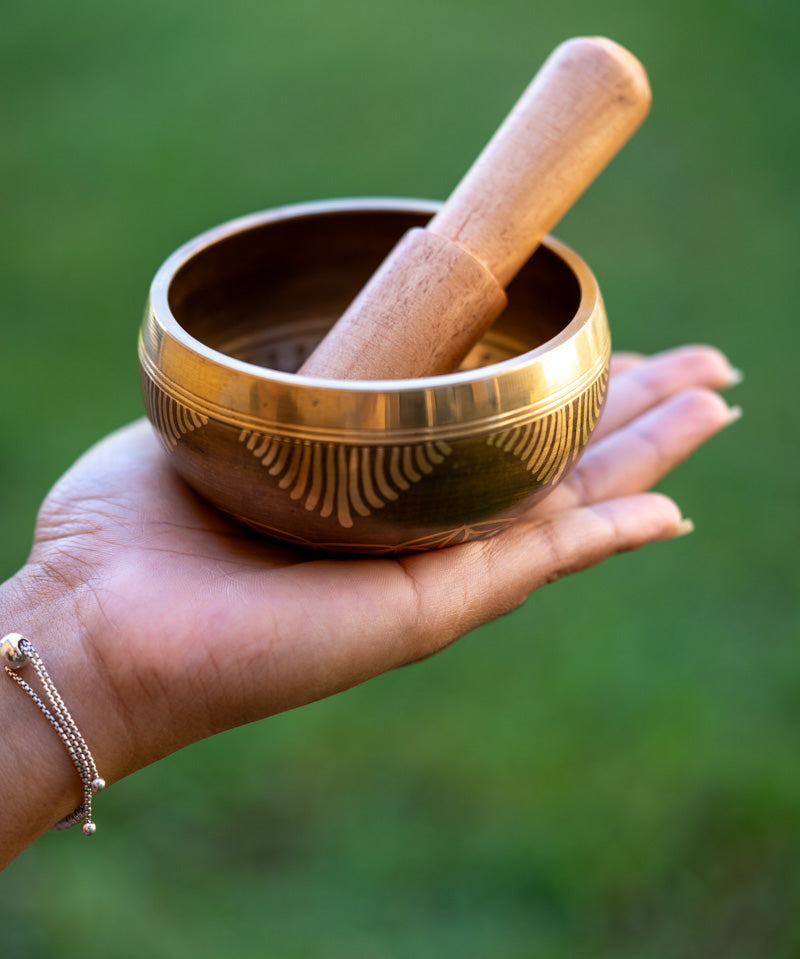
402, 323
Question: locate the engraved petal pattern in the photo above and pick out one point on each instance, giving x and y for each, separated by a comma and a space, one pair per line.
171, 419
548, 445
343, 481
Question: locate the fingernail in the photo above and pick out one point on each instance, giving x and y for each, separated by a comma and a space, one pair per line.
734, 414
685, 527
735, 376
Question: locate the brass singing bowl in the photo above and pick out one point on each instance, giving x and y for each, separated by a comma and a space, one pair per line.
362, 466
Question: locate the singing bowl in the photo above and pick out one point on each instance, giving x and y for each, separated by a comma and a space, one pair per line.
362, 466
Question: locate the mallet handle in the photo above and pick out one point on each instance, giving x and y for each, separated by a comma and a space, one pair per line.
442, 287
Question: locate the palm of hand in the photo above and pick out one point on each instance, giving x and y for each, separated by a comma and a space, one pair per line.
207, 625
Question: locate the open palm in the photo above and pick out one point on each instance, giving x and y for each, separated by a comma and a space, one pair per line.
200, 625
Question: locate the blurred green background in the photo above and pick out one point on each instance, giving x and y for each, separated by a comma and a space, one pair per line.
611, 771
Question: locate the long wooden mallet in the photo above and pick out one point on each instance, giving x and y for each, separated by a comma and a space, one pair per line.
441, 287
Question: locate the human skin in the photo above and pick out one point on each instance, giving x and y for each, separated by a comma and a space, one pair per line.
162, 622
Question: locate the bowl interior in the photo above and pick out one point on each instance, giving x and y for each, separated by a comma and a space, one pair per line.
268, 294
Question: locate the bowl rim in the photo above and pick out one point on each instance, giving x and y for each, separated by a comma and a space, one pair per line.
164, 343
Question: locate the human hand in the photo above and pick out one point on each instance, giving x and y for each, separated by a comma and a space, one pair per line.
167, 622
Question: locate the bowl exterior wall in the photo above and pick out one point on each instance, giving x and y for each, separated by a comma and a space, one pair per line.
397, 466
350, 497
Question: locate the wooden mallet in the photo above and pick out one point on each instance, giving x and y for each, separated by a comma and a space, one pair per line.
442, 286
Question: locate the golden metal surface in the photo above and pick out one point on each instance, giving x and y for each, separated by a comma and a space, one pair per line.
364, 466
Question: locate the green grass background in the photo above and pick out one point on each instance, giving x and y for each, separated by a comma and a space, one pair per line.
611, 771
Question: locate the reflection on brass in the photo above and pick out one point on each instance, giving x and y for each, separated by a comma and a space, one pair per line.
370, 466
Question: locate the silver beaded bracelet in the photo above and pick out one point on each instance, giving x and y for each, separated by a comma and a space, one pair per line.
15, 652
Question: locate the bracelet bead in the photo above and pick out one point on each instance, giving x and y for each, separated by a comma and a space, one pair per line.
10, 652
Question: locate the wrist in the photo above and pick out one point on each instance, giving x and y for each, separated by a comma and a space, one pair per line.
39, 784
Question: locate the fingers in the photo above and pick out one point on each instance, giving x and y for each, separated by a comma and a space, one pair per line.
638, 455
602, 508
620, 362
639, 384
501, 572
